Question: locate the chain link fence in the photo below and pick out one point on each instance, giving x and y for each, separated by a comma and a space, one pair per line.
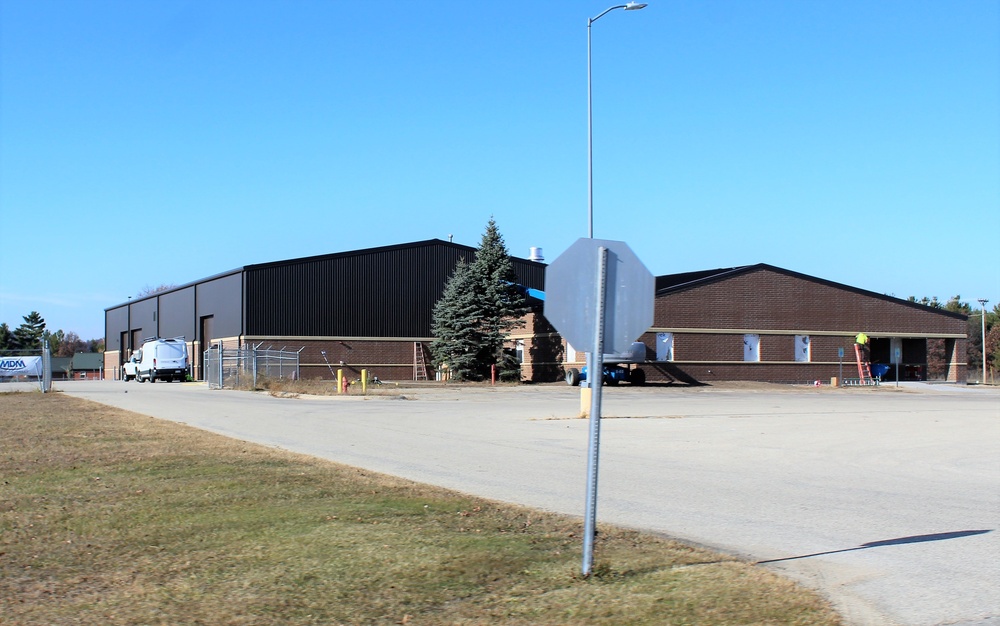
241, 368
27, 366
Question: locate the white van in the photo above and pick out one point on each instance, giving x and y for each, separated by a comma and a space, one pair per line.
163, 359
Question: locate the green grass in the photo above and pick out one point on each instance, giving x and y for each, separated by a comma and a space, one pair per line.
108, 517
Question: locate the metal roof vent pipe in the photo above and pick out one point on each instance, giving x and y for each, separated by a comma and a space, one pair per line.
536, 254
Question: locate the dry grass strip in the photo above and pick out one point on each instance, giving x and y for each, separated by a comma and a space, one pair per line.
109, 517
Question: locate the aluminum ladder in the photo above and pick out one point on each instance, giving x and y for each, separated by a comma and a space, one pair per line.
419, 363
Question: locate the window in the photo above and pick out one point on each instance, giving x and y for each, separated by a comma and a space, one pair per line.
519, 350
751, 347
803, 349
664, 346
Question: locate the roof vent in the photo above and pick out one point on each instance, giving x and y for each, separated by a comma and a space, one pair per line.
536, 254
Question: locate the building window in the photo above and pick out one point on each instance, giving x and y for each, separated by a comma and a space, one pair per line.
751, 347
664, 346
519, 350
803, 349
570, 353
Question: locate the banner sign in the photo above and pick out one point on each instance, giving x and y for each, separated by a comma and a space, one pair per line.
21, 366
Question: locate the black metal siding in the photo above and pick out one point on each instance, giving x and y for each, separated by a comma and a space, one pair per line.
221, 298
115, 323
144, 317
382, 292
176, 313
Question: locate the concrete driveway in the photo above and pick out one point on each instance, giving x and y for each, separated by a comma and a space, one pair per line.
887, 500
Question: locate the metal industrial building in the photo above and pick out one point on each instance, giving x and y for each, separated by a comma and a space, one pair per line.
371, 309
366, 309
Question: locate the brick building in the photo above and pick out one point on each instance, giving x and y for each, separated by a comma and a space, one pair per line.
371, 309
764, 323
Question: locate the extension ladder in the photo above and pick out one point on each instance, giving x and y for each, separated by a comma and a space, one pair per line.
864, 367
419, 364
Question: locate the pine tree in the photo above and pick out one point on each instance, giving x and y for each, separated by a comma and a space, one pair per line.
6, 337
28, 336
502, 303
480, 306
456, 326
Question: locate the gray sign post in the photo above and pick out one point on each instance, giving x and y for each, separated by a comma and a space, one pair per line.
598, 311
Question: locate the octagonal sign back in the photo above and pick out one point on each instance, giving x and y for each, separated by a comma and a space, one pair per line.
571, 295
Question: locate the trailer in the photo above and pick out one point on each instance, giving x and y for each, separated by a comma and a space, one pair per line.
618, 368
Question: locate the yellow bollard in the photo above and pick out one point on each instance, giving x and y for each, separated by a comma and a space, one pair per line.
364, 381
340, 381
585, 401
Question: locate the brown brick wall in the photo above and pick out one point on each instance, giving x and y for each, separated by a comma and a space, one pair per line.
768, 300
388, 359
543, 349
779, 306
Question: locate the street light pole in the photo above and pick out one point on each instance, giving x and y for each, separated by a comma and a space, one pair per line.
631, 6
595, 376
982, 303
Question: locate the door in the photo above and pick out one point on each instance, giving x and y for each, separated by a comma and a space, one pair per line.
803, 352
205, 337
664, 346
751, 347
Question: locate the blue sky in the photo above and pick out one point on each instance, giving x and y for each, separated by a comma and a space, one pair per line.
148, 143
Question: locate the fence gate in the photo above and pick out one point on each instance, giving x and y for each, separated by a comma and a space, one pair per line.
235, 368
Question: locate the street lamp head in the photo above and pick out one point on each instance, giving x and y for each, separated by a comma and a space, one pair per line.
635, 6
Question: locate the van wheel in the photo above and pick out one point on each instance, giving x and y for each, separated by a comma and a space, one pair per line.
152, 376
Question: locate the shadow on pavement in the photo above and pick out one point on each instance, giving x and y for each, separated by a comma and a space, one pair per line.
887, 542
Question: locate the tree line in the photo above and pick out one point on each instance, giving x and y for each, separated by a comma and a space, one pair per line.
32, 335
974, 331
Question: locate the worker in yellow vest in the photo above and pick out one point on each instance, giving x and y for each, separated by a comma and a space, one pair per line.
861, 346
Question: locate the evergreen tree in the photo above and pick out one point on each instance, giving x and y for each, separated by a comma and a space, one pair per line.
28, 336
502, 302
6, 337
456, 326
480, 306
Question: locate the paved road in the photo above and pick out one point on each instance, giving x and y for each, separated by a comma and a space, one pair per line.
886, 500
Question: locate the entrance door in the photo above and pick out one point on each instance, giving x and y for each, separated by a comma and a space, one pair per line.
751, 347
205, 337
664, 346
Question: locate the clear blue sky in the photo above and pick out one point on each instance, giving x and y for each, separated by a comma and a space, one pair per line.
144, 143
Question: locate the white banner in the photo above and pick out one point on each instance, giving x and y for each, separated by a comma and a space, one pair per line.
21, 366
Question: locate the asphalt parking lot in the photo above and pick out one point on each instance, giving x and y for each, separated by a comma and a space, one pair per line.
887, 500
